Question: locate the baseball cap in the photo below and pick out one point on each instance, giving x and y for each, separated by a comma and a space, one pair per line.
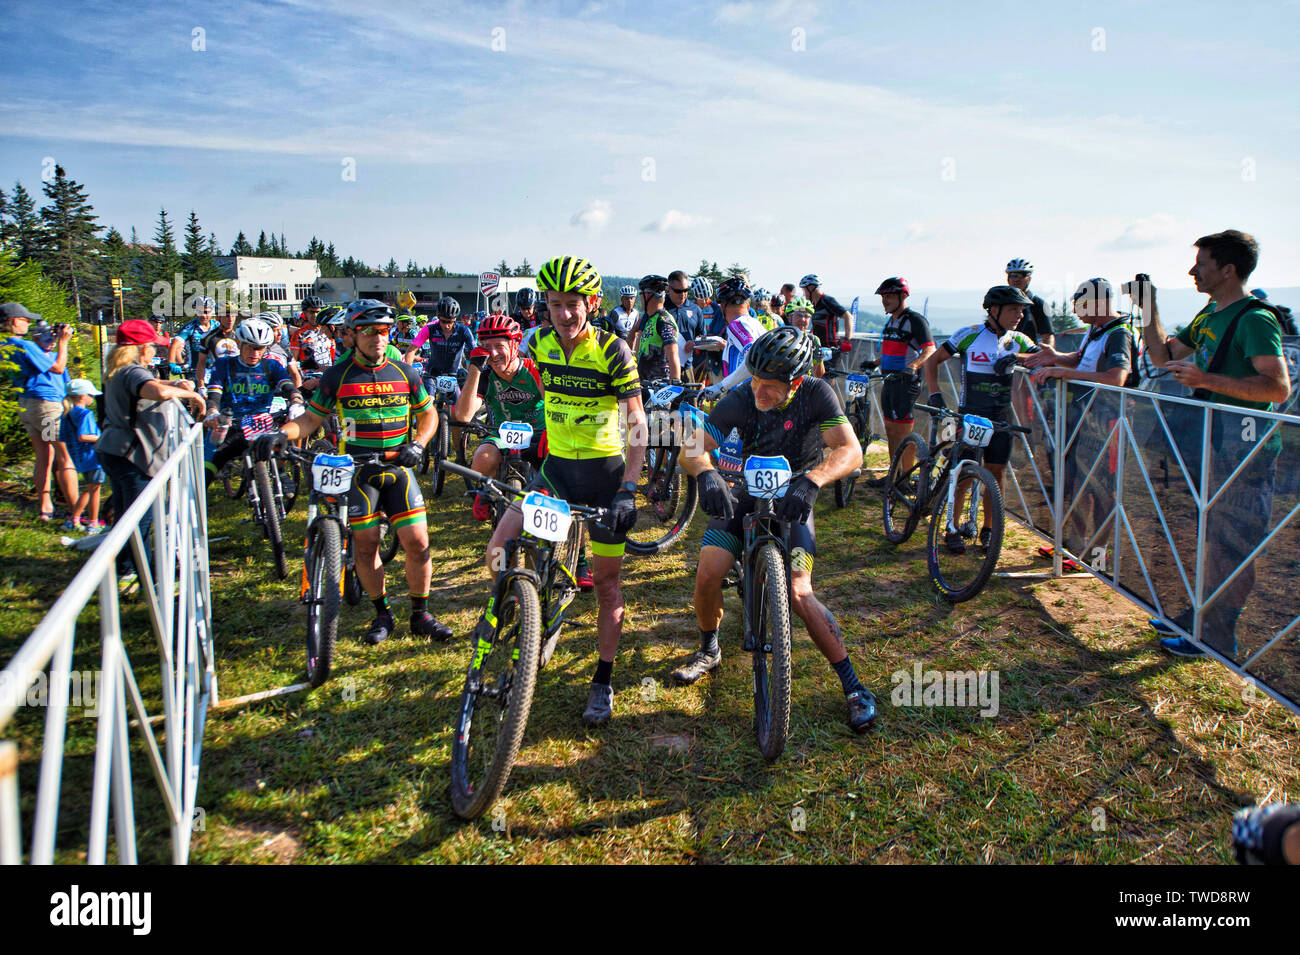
139, 332
83, 386
14, 310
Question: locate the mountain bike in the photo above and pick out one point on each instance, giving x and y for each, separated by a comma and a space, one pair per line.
439, 449
530, 596
515, 470
666, 496
958, 491
274, 488
857, 408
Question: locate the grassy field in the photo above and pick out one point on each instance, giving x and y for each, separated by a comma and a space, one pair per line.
1102, 750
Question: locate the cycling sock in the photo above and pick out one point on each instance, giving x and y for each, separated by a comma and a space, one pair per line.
582, 556
381, 605
709, 642
604, 670
419, 603
848, 679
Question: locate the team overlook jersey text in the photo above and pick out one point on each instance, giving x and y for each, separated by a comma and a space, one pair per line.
983, 390
375, 404
582, 392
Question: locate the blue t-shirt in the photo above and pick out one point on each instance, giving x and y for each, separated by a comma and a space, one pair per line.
245, 389
78, 421
33, 375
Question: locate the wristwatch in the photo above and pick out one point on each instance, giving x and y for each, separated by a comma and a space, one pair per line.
629, 486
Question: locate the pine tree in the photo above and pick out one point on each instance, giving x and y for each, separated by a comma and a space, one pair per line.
73, 235
525, 269
503, 268
197, 260
263, 248
214, 249
440, 272
391, 267
166, 262
284, 246
411, 267
4, 219
736, 270
331, 263
241, 246
26, 234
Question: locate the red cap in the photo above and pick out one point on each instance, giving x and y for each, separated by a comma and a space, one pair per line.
139, 332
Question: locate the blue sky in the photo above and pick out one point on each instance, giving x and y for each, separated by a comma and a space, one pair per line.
932, 140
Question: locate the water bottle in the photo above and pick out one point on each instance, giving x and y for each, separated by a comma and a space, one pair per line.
223, 426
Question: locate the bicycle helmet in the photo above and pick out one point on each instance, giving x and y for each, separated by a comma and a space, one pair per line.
526, 298
1005, 295
785, 353
448, 307
1020, 265
760, 295
328, 312
569, 273
202, 302
654, 285
628, 291
810, 281
499, 326
733, 292
798, 304
271, 318
701, 287
369, 311
313, 301
254, 331
894, 284
406, 299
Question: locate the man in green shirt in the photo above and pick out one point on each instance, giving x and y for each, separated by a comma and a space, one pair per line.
1251, 374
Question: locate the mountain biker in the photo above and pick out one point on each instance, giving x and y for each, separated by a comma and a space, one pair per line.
185, 344
827, 315
376, 399
905, 344
742, 329
591, 386
242, 385
798, 314
219, 342
525, 314
781, 410
279, 348
444, 344
988, 356
655, 339
1037, 324
624, 317
311, 308
761, 303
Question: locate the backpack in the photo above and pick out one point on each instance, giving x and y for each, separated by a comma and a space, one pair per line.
1133, 379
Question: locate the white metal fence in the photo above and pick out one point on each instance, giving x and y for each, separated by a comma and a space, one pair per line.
176, 593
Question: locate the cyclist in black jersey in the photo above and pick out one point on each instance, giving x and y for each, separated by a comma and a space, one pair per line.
654, 342
905, 344
1036, 323
376, 399
781, 410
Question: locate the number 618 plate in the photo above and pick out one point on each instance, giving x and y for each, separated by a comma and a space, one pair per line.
546, 517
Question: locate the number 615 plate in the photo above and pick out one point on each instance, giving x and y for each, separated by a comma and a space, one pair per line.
546, 517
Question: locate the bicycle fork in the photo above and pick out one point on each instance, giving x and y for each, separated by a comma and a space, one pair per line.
974, 491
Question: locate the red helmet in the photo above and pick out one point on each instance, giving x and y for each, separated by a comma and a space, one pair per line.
894, 284
499, 326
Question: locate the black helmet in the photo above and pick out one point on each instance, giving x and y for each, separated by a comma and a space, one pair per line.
655, 285
893, 284
369, 311
448, 307
526, 298
313, 301
784, 353
734, 291
1005, 295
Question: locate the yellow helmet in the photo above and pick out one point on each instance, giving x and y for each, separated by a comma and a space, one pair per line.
569, 273
406, 299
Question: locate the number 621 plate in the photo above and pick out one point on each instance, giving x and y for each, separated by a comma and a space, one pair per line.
546, 517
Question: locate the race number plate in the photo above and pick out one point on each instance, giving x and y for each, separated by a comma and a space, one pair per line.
665, 395
827, 354
278, 403
445, 384
516, 435
254, 424
767, 477
976, 431
856, 385
332, 473
546, 517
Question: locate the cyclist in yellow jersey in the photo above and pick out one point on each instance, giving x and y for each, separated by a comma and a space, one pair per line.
591, 387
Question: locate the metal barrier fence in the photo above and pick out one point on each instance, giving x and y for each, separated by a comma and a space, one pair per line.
176, 592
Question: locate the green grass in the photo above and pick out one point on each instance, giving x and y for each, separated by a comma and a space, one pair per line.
1104, 750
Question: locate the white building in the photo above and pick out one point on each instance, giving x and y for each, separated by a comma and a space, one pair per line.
427, 291
279, 283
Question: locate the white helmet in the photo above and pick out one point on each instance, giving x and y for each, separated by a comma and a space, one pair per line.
254, 331
627, 290
271, 318
1020, 265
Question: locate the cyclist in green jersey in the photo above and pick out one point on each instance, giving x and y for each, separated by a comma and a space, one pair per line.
655, 337
591, 387
376, 399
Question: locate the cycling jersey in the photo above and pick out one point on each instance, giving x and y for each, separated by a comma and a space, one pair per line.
313, 348
191, 336
741, 333
903, 338
239, 389
519, 399
583, 392
444, 353
794, 431
375, 402
767, 320
658, 334
622, 323
525, 322
219, 343
826, 317
1036, 322
983, 390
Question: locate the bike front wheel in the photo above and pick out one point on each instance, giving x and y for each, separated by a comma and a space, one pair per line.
905, 490
666, 499
233, 476
960, 563
270, 515
769, 628
495, 702
324, 570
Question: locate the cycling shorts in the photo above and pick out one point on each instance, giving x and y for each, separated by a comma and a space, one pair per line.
730, 536
898, 393
592, 482
534, 454
388, 488
997, 452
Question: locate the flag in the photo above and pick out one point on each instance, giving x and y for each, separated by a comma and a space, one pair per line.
254, 424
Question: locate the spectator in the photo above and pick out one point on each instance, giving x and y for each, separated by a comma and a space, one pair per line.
127, 379
687, 316
1230, 353
42, 377
1036, 323
79, 434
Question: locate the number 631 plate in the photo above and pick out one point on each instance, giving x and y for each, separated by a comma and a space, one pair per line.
546, 517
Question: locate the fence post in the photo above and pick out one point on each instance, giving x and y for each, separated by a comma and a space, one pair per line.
1058, 481
11, 844
1202, 520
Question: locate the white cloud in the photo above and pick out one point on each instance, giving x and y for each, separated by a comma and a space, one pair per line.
674, 219
594, 216
1146, 233
745, 11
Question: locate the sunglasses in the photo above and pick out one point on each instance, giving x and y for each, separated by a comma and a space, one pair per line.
370, 331
678, 291
1017, 275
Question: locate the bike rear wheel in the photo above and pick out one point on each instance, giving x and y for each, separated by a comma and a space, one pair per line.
666, 499
441, 451
495, 702
233, 476
290, 481
324, 570
905, 490
961, 575
388, 542
769, 626
270, 514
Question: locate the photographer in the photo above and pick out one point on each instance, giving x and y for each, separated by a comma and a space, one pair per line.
1231, 353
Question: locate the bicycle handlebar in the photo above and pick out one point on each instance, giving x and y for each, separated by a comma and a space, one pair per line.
949, 413
513, 493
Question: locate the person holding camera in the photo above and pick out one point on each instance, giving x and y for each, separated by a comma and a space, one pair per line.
1230, 353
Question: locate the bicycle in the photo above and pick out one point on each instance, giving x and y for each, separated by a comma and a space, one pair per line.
329, 568
857, 408
935, 480
666, 496
531, 592
272, 492
439, 449
515, 470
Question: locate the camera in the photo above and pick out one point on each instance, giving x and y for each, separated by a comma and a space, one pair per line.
1134, 288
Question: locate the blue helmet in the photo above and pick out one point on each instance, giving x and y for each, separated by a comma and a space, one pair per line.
525, 298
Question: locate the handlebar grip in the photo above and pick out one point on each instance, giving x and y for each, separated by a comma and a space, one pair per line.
464, 472
931, 409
